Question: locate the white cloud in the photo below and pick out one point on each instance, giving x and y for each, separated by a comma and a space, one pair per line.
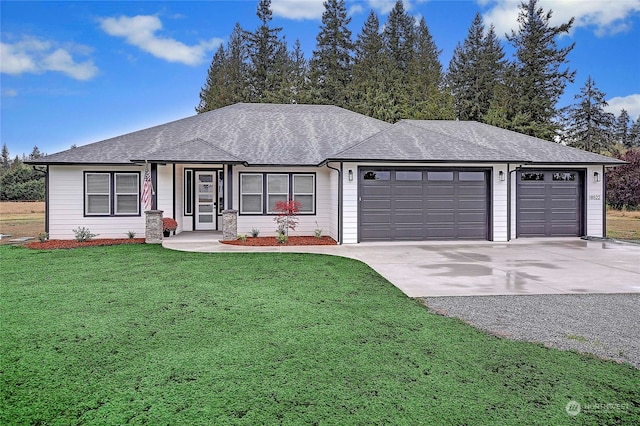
33, 55
604, 16
9, 93
298, 9
631, 103
140, 31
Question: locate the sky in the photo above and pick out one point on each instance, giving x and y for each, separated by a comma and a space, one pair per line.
81, 72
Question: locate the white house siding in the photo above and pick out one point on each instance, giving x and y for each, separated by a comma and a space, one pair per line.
350, 196
595, 202
307, 223
332, 231
66, 205
164, 190
594, 197
499, 203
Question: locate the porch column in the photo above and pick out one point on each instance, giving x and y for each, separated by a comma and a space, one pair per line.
229, 225
153, 227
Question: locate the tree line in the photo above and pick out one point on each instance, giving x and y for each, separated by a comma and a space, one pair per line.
19, 182
392, 71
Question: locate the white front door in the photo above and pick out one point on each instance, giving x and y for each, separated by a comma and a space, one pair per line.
206, 211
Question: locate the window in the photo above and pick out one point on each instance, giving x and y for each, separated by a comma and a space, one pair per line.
97, 194
408, 176
471, 176
571, 177
531, 176
303, 191
251, 193
259, 192
112, 194
377, 175
277, 190
188, 192
440, 176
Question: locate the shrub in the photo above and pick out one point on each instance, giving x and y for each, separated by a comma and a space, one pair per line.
623, 183
43, 236
83, 234
131, 234
282, 238
318, 231
287, 216
255, 232
242, 237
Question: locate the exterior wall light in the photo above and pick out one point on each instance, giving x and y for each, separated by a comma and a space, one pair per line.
501, 176
350, 175
596, 177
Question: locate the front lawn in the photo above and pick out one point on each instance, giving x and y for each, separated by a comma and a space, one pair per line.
139, 334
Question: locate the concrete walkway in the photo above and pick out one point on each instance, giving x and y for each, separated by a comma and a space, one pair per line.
428, 269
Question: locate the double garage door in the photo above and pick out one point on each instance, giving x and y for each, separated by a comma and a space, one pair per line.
549, 203
423, 204
443, 204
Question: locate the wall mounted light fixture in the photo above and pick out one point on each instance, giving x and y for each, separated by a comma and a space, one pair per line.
596, 177
350, 175
501, 176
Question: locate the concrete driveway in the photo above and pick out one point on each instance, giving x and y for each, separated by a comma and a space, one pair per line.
527, 266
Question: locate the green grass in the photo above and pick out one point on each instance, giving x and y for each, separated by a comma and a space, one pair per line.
138, 334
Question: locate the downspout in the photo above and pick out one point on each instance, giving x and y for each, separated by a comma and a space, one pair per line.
173, 206
339, 200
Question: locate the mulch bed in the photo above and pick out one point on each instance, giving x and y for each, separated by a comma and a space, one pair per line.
69, 244
292, 241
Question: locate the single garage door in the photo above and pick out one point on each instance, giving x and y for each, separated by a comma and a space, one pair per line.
423, 204
549, 203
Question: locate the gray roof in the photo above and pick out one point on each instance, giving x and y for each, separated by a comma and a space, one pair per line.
254, 133
406, 141
276, 134
511, 143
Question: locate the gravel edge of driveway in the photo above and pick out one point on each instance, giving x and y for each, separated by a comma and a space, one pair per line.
604, 325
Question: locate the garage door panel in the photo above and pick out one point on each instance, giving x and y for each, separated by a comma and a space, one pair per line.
424, 204
379, 190
551, 206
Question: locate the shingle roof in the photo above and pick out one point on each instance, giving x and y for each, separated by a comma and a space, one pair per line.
254, 133
276, 134
511, 143
406, 141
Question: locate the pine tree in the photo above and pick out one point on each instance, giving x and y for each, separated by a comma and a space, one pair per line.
226, 81
634, 133
299, 75
621, 129
427, 100
540, 74
332, 61
6, 160
588, 125
35, 153
370, 92
263, 46
400, 36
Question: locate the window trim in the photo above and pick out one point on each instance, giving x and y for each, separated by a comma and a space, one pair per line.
313, 193
269, 194
264, 194
112, 194
116, 194
262, 184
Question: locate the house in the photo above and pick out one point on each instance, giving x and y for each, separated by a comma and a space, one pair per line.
357, 178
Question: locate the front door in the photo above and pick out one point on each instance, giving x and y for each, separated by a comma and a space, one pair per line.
206, 211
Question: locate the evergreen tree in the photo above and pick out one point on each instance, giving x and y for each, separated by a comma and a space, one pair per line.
634, 133
299, 75
263, 46
331, 61
6, 160
371, 93
427, 100
400, 36
226, 82
540, 74
621, 129
588, 125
